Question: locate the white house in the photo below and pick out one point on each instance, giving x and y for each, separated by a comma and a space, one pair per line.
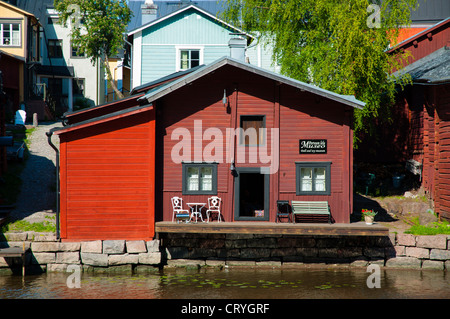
70, 78
86, 84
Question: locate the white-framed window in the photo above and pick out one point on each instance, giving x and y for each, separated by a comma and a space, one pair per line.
75, 52
188, 57
10, 34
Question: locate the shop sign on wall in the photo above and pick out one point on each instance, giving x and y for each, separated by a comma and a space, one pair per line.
313, 146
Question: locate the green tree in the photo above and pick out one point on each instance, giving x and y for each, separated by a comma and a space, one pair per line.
97, 28
337, 45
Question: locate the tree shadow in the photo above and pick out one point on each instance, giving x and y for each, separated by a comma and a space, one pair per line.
361, 202
37, 184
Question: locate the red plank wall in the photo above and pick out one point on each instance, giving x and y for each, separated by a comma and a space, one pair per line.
430, 145
442, 151
107, 180
429, 41
306, 116
299, 115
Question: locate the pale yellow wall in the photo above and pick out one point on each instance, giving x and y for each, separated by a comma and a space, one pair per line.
7, 12
10, 12
113, 64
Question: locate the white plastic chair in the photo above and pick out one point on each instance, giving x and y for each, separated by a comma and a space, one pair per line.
178, 211
214, 204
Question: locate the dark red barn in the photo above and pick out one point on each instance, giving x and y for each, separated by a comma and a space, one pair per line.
426, 107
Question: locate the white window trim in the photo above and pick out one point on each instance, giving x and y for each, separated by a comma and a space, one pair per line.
179, 48
136, 62
11, 35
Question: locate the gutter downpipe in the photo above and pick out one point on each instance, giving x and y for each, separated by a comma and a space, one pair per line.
49, 136
131, 61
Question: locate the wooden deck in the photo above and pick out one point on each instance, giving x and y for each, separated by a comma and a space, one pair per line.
11, 252
352, 229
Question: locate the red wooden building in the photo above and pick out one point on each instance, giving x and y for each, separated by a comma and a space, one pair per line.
426, 105
228, 129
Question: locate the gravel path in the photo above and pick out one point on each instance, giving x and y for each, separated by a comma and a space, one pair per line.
38, 194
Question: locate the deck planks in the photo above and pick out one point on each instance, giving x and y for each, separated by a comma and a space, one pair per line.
353, 229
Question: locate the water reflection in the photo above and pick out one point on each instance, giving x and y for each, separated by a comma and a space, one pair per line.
232, 284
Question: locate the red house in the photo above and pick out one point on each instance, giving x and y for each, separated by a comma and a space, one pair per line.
425, 108
228, 129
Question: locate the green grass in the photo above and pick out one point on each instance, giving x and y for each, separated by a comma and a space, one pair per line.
28, 133
436, 228
23, 225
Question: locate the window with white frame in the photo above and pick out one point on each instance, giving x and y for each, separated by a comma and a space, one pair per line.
76, 52
188, 58
10, 34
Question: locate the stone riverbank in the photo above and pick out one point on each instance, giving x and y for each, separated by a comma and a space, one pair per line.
393, 251
45, 253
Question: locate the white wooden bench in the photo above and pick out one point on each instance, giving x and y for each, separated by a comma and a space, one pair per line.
309, 207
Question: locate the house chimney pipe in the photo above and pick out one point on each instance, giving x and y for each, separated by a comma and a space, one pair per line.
238, 45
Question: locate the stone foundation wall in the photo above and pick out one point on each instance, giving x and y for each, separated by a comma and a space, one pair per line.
426, 252
45, 253
394, 251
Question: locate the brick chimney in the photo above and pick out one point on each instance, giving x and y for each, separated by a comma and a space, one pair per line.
148, 11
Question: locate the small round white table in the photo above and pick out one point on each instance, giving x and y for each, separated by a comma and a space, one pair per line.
196, 210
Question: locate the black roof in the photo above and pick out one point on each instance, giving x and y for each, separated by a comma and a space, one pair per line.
164, 79
434, 68
58, 71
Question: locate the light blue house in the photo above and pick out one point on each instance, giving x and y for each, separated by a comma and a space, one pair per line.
184, 38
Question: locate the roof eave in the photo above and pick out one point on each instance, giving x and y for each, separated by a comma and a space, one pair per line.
151, 23
102, 119
418, 35
153, 96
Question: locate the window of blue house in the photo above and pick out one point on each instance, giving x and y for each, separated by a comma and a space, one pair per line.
189, 58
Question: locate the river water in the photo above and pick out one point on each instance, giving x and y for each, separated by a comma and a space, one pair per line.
231, 284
